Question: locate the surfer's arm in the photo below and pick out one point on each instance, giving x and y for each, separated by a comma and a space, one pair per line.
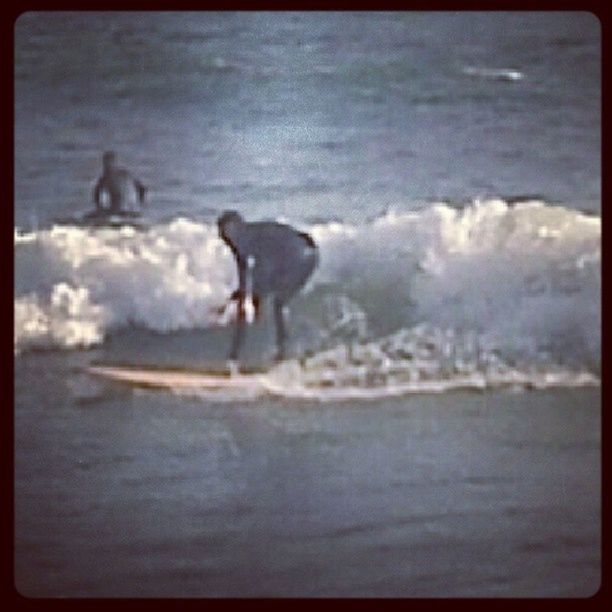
246, 267
244, 293
238, 294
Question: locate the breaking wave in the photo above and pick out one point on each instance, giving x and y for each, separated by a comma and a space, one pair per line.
441, 292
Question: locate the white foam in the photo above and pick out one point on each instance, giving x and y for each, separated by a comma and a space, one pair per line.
417, 360
69, 319
488, 268
327, 380
168, 278
523, 282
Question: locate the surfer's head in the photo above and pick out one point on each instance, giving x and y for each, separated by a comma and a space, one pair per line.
108, 160
229, 224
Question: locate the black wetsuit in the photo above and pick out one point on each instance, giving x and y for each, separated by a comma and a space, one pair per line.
117, 183
274, 260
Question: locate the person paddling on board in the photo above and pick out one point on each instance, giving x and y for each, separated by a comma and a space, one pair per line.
117, 183
274, 261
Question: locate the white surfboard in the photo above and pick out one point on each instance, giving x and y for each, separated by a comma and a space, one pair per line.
274, 383
235, 385
182, 379
102, 219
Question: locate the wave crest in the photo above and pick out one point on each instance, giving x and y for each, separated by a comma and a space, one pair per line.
523, 279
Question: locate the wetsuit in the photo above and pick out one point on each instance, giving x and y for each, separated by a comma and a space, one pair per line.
274, 260
118, 183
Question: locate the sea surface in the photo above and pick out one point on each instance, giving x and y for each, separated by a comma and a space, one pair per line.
448, 167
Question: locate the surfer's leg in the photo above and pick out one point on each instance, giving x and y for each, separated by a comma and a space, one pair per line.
238, 331
281, 334
257, 306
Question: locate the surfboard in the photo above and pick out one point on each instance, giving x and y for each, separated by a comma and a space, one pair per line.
253, 384
105, 219
161, 378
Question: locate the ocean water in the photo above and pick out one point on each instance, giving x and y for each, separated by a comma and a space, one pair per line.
448, 167
138, 494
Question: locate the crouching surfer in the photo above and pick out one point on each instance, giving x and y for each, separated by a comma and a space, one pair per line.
274, 262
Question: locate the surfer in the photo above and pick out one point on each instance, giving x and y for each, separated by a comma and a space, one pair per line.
274, 262
116, 183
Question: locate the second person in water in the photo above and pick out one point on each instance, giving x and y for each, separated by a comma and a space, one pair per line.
117, 186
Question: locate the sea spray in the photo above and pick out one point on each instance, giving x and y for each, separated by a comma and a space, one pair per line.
520, 284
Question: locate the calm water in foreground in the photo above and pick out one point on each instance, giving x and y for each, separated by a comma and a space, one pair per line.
123, 493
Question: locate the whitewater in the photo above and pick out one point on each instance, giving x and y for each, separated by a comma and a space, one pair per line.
493, 291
